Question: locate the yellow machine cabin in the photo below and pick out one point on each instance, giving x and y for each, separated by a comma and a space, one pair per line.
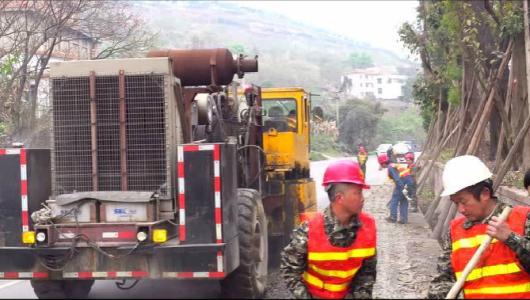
286, 130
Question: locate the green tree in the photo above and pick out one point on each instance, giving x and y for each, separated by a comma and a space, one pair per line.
358, 123
360, 60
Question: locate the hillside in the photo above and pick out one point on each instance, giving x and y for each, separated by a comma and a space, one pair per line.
290, 53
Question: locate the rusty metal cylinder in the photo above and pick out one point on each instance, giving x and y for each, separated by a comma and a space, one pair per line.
206, 66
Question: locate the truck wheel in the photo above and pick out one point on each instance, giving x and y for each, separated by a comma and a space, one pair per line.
250, 278
61, 289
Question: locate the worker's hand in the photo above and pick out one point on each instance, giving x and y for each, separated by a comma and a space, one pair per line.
498, 230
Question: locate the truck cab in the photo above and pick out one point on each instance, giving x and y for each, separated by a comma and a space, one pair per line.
286, 130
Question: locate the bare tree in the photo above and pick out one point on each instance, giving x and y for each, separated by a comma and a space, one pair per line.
31, 30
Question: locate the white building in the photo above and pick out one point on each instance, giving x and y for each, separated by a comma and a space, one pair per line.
376, 82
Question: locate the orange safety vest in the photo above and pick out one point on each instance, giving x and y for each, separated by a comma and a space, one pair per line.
362, 156
499, 274
403, 170
330, 270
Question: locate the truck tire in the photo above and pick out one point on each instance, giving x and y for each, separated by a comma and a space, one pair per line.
61, 289
249, 280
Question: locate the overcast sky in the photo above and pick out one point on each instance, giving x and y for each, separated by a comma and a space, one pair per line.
373, 22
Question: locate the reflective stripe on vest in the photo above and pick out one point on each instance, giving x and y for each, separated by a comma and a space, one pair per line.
325, 286
353, 253
498, 272
471, 242
491, 271
333, 273
499, 290
403, 170
331, 269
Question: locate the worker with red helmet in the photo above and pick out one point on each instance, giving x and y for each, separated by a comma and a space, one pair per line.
399, 171
382, 159
332, 255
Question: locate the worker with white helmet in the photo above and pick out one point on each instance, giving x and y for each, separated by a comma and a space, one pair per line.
503, 269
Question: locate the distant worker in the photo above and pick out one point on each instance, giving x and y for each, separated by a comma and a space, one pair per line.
389, 152
362, 157
332, 255
527, 181
382, 159
399, 172
503, 269
411, 184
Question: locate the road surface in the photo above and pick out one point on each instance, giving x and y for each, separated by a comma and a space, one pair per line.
406, 256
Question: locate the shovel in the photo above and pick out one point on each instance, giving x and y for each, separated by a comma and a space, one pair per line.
453, 293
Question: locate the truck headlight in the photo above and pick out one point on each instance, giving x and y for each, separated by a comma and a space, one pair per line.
40, 237
141, 236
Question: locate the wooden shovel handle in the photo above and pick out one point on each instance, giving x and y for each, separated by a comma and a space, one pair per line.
453, 293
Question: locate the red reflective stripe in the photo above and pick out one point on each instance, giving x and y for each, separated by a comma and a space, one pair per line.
216, 152
2, 151
11, 275
182, 201
180, 168
126, 234
111, 274
40, 275
25, 219
139, 274
216, 274
185, 274
217, 184
84, 275
191, 148
182, 232
217, 216
23, 187
22, 156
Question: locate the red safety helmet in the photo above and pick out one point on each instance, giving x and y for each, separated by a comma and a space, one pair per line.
382, 159
344, 171
410, 155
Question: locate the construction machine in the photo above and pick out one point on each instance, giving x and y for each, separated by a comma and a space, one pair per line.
158, 169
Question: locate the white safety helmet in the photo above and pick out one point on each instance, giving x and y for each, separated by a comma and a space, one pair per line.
463, 171
400, 149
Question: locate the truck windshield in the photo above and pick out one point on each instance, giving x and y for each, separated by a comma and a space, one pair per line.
281, 114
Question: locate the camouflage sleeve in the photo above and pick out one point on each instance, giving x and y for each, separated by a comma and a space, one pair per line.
522, 248
363, 283
442, 283
294, 262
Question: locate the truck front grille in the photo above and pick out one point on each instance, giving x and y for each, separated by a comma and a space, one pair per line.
146, 156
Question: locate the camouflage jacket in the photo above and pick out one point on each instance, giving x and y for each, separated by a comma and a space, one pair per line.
442, 283
294, 258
